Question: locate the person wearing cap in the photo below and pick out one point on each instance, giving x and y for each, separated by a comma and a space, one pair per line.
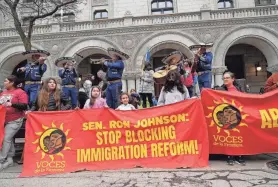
204, 63
34, 71
68, 75
114, 77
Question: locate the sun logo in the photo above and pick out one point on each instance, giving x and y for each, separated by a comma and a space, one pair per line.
227, 116
52, 141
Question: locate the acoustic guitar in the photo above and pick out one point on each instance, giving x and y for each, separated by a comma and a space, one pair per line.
160, 75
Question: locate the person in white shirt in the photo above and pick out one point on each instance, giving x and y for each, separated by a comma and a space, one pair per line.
125, 103
173, 91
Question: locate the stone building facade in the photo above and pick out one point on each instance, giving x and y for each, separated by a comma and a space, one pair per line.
244, 33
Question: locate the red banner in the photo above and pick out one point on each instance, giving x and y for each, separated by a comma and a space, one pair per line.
164, 137
241, 124
2, 121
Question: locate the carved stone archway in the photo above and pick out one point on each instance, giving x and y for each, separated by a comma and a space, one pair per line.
263, 38
11, 56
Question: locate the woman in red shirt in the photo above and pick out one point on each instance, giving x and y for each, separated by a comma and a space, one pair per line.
15, 101
231, 85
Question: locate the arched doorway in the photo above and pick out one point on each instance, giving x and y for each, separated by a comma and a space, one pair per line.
249, 65
87, 69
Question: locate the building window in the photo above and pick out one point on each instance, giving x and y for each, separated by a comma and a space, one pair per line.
162, 7
265, 2
67, 17
28, 1
100, 14
26, 21
225, 4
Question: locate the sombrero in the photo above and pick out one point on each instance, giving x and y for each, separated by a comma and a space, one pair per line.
29, 54
113, 51
194, 47
61, 61
175, 54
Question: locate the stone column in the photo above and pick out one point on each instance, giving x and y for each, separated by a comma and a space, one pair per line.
131, 80
217, 72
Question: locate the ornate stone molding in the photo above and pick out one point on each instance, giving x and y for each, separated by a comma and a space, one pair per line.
273, 69
209, 24
99, 2
218, 70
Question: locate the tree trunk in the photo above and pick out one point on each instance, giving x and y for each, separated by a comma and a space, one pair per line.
27, 44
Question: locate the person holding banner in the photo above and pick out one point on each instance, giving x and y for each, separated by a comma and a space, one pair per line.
173, 91
271, 83
231, 85
50, 98
95, 101
16, 102
125, 103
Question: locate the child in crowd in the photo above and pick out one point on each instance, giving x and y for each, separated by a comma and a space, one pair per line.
125, 103
134, 98
95, 101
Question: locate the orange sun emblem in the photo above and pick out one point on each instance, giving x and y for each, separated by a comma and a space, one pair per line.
52, 141
227, 116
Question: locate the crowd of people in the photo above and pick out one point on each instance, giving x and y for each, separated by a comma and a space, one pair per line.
185, 82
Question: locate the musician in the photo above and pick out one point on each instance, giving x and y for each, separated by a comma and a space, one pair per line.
204, 63
114, 76
68, 75
34, 71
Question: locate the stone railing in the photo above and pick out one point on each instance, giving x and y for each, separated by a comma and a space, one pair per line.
244, 12
129, 20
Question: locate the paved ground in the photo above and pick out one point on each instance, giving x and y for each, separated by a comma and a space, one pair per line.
217, 175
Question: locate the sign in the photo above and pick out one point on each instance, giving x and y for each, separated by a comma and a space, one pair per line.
2, 123
165, 137
241, 124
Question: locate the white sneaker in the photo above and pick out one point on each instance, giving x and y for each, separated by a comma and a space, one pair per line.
8, 163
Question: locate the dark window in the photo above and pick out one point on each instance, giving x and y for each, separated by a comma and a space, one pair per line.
265, 2
100, 14
28, 1
26, 21
67, 17
225, 4
162, 7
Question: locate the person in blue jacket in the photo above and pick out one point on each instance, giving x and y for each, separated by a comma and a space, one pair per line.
204, 66
68, 75
114, 74
33, 70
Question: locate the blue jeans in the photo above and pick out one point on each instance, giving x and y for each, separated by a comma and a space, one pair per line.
32, 92
204, 80
72, 94
113, 93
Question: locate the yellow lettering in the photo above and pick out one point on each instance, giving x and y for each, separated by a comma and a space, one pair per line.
266, 120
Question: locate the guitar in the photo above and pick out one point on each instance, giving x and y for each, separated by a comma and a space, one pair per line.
160, 75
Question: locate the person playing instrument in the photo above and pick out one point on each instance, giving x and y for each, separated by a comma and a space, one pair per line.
34, 71
68, 75
114, 76
173, 91
204, 63
95, 100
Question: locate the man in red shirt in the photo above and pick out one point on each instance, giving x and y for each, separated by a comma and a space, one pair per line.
271, 83
15, 100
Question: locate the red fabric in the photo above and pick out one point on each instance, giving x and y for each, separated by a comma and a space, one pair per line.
232, 89
82, 143
241, 124
2, 121
14, 96
188, 81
